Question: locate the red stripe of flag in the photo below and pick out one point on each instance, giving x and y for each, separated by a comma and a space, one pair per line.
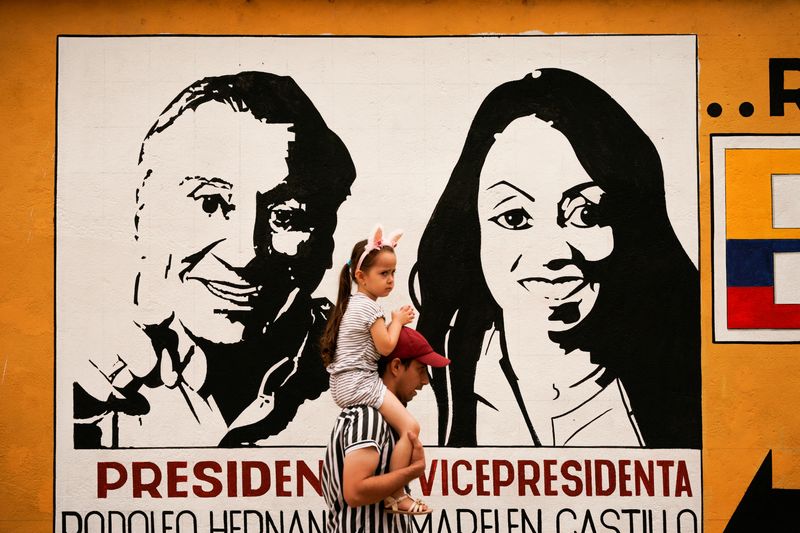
754, 308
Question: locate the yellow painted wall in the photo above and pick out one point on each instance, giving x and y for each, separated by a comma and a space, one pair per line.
751, 393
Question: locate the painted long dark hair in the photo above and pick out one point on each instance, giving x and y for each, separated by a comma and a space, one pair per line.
645, 326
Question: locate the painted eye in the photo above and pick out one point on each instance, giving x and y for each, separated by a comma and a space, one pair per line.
581, 208
213, 197
289, 216
584, 216
513, 219
211, 203
287, 219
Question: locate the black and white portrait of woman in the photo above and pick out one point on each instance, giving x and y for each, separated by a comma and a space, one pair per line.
550, 274
240, 184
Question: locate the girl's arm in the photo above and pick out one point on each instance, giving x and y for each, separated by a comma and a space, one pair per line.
385, 338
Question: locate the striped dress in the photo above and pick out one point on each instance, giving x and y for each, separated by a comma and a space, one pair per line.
354, 376
356, 428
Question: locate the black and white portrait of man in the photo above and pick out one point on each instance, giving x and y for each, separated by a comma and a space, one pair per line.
241, 181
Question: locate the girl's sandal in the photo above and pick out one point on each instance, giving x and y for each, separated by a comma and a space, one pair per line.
417, 506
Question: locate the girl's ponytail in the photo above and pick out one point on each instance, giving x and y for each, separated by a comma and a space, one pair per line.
346, 276
329, 336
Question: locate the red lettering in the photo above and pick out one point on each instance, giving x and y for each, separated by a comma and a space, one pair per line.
609, 477
461, 491
482, 476
282, 478
173, 478
232, 488
103, 485
304, 473
500, 480
524, 480
682, 484
643, 478
624, 477
577, 485
426, 482
199, 471
665, 466
549, 477
247, 479
140, 486
444, 473
588, 473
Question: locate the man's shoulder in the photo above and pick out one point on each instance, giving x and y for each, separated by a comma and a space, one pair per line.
361, 426
364, 416
362, 411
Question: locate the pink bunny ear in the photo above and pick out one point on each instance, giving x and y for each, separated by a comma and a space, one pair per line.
394, 237
374, 240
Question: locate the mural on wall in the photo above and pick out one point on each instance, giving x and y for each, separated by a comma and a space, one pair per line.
569, 295
209, 189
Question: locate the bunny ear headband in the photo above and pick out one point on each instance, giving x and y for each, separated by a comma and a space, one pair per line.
376, 241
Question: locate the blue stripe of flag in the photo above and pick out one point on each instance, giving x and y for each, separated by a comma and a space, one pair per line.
749, 261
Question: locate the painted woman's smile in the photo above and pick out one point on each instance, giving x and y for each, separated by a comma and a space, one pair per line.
559, 288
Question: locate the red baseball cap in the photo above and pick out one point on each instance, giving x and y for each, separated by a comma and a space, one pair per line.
412, 345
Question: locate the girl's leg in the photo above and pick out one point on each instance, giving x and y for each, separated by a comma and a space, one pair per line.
402, 421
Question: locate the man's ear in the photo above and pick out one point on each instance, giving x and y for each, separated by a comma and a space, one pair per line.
394, 366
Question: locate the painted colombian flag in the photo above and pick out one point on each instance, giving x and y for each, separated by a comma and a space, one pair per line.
751, 285
762, 218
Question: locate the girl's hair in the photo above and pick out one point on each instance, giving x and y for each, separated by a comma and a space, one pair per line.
644, 327
346, 277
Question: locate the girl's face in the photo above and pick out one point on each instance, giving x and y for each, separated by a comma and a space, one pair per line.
540, 223
377, 280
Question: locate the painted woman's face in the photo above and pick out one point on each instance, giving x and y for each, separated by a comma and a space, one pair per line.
541, 223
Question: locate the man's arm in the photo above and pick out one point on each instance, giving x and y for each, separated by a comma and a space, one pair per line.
362, 487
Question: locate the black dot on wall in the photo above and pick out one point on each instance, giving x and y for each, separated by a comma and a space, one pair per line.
746, 109
714, 109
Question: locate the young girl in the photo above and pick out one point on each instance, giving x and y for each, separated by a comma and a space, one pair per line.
356, 337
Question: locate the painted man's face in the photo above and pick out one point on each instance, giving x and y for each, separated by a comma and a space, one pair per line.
217, 227
541, 222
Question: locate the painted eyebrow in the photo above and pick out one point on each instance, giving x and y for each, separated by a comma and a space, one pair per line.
504, 200
575, 191
211, 181
507, 184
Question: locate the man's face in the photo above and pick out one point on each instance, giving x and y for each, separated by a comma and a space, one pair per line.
410, 380
216, 193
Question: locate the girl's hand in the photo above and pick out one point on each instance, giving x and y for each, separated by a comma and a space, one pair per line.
405, 315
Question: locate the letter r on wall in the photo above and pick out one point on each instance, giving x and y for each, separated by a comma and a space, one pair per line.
778, 94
